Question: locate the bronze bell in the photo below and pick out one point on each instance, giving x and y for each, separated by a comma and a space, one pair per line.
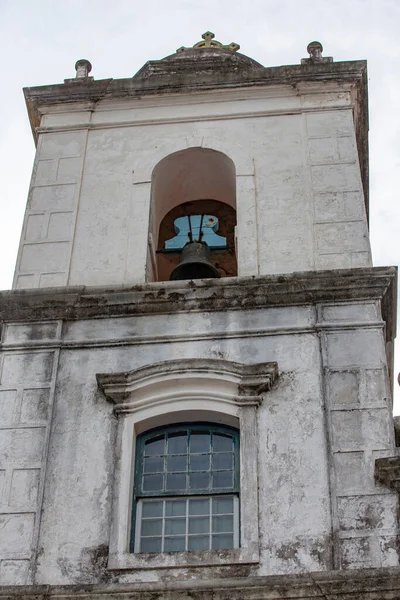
195, 263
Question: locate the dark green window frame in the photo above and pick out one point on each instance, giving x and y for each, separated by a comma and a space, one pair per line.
175, 466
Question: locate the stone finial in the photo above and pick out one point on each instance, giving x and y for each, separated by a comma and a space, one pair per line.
315, 49
208, 41
83, 68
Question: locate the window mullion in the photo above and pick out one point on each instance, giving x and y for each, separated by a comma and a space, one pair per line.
137, 544
187, 525
210, 523
236, 522
163, 527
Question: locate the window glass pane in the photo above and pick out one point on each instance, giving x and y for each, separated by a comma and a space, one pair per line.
174, 544
177, 442
200, 442
220, 542
153, 465
152, 483
199, 524
222, 443
152, 509
222, 524
199, 507
222, 505
222, 479
198, 542
150, 545
176, 526
151, 527
176, 482
154, 446
200, 462
223, 461
175, 508
167, 520
177, 463
180, 469
199, 481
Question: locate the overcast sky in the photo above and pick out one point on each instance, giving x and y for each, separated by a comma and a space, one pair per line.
40, 42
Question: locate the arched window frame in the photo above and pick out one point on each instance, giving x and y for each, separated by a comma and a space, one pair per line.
187, 390
167, 494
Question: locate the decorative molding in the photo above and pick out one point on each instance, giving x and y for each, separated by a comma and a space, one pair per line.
234, 293
86, 342
36, 97
360, 584
168, 120
216, 380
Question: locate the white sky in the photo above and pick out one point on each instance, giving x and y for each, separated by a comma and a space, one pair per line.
40, 42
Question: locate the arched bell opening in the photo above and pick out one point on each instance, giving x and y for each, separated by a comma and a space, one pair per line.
224, 259
193, 200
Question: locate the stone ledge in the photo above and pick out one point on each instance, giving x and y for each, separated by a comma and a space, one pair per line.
207, 295
363, 584
155, 78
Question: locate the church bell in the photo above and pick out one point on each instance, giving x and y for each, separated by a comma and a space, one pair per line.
195, 263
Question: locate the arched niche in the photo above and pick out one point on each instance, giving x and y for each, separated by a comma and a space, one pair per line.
190, 182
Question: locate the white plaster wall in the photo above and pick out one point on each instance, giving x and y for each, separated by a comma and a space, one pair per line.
360, 430
48, 231
76, 514
27, 377
319, 431
299, 195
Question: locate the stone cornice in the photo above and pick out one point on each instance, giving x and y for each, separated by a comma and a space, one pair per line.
363, 584
138, 87
111, 89
241, 293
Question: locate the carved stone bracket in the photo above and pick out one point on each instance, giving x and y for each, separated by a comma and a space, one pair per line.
387, 471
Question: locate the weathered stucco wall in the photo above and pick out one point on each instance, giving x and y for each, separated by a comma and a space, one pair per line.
310, 434
321, 426
300, 204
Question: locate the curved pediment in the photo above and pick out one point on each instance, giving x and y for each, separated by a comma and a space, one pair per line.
158, 383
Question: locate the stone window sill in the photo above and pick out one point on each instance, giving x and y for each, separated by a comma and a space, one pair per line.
170, 560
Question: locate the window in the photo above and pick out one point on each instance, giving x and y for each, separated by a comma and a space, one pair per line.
186, 494
218, 396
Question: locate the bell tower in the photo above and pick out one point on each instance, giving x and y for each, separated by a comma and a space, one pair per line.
197, 353
283, 171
